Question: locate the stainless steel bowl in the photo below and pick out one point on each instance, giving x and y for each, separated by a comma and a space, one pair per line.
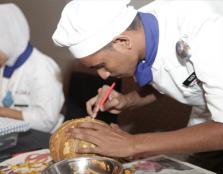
85, 165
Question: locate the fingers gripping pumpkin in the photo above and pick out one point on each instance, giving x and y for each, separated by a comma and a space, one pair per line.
62, 146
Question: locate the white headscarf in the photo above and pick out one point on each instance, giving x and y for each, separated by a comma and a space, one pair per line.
14, 32
86, 26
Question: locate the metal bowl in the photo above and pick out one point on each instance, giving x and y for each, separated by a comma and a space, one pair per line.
85, 165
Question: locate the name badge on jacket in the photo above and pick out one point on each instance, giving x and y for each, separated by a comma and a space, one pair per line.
191, 80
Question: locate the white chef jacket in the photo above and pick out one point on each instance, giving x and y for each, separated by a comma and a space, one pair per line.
198, 24
37, 84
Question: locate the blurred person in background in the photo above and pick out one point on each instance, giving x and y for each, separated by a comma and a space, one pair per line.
30, 81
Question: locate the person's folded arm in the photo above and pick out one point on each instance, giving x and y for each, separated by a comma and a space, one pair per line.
10, 113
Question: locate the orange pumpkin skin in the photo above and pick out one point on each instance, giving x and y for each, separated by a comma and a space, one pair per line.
62, 146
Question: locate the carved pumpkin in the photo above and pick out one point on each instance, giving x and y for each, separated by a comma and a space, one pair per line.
62, 146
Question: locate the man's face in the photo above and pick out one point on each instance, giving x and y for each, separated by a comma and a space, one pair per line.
112, 62
2, 59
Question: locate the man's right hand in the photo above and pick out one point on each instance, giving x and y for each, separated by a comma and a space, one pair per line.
115, 104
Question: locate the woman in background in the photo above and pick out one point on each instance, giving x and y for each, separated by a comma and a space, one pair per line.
30, 81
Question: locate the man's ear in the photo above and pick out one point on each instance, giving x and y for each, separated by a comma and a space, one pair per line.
122, 41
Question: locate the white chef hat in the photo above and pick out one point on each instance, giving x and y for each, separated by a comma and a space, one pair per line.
14, 32
86, 26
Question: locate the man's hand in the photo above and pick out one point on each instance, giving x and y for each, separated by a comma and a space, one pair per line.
115, 103
110, 140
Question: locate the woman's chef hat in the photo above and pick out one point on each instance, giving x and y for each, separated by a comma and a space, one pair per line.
86, 26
